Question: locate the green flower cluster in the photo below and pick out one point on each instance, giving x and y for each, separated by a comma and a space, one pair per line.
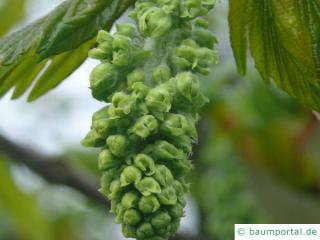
148, 77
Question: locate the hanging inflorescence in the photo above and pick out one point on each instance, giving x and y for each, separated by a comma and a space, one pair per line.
148, 77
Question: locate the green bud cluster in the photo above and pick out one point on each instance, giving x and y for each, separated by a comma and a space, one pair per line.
149, 78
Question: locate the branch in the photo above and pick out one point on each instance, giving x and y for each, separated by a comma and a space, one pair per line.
53, 169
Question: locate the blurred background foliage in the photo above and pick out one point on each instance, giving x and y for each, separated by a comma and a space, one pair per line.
257, 160
11, 12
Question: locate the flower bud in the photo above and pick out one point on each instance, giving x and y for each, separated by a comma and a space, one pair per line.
204, 38
187, 85
161, 74
149, 204
175, 124
137, 75
160, 220
144, 231
142, 109
165, 150
119, 213
179, 125
129, 158
176, 211
174, 226
140, 8
126, 29
104, 49
114, 205
159, 100
208, 4
130, 199
105, 181
130, 175
168, 196
122, 54
129, 231
190, 9
155, 22
202, 23
169, 6
181, 63
145, 126
102, 123
164, 231
103, 52
121, 58
98, 53
192, 130
104, 36
199, 101
122, 104
115, 189
180, 190
103, 80
117, 144
106, 160
163, 175
140, 90
206, 57
132, 217
147, 186
100, 114
145, 164
126, 52
102, 126
121, 42
93, 139
186, 57
184, 143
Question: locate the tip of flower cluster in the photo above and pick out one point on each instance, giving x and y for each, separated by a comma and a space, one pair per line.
157, 18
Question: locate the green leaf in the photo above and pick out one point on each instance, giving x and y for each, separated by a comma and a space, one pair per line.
23, 209
60, 68
22, 86
60, 39
80, 22
238, 24
284, 42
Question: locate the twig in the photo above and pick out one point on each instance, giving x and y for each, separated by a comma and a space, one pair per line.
53, 169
